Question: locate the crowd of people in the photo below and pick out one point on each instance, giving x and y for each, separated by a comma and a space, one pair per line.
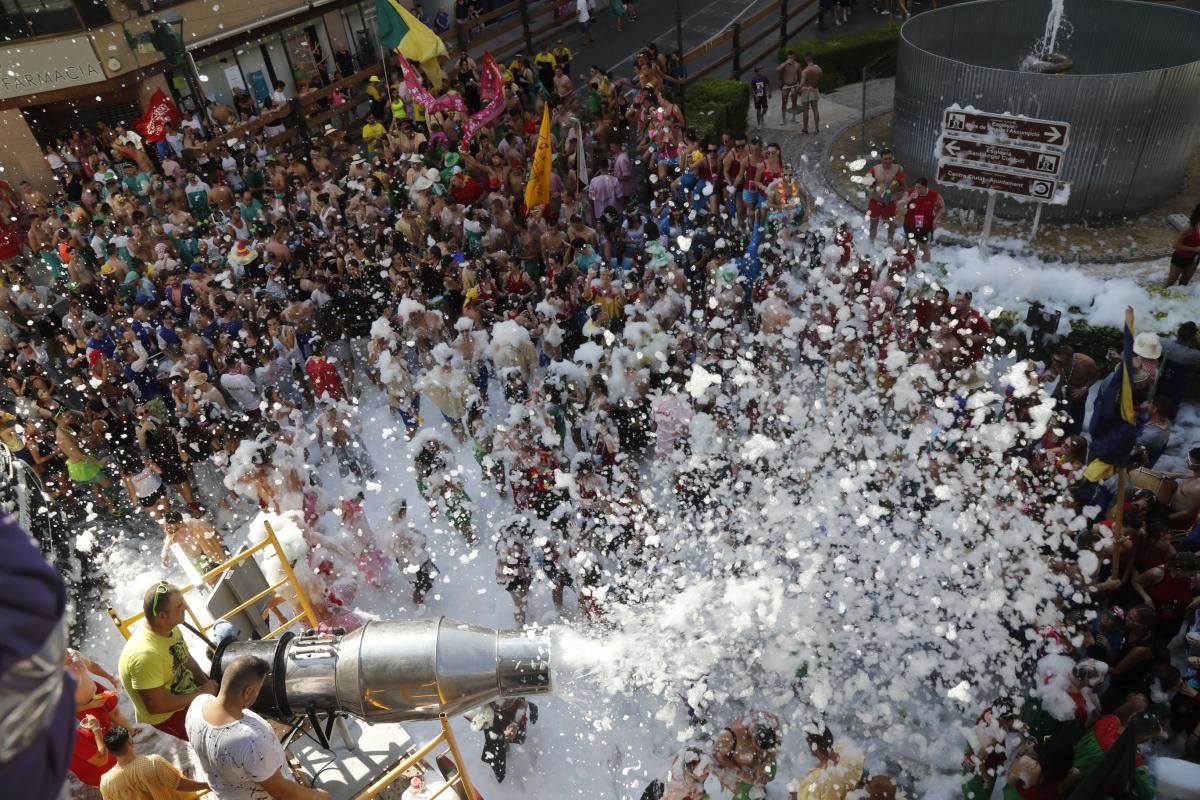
191, 326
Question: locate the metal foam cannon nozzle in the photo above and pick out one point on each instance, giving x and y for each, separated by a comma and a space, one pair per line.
395, 671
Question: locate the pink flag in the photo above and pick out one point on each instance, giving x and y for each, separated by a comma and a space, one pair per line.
490, 113
491, 89
413, 81
431, 104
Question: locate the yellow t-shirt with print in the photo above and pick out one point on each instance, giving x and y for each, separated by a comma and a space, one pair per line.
150, 661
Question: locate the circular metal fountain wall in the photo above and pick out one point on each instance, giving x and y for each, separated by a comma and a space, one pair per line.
1132, 95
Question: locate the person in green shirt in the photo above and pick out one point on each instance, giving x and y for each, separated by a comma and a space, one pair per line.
158, 672
251, 207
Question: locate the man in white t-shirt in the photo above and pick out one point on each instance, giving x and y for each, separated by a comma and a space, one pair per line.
241, 387
238, 750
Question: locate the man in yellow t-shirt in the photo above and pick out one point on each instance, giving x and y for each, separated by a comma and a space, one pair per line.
372, 132
142, 777
158, 673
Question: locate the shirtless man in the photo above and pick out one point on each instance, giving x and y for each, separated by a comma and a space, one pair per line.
34, 198
789, 85
887, 183
1185, 503
810, 92
199, 541
321, 163
745, 751
221, 196
221, 114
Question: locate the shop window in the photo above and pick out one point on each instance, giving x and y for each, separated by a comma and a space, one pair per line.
22, 19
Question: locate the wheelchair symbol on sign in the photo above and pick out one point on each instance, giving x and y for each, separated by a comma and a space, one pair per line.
1047, 162
1040, 188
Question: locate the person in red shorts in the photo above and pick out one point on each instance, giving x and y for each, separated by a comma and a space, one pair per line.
886, 185
922, 208
90, 759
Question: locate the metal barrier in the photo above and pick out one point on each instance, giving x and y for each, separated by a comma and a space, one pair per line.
882, 67
125, 625
771, 22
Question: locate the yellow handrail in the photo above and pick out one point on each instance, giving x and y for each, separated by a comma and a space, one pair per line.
125, 625
392, 775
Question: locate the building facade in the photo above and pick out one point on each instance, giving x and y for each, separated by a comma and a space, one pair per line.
67, 63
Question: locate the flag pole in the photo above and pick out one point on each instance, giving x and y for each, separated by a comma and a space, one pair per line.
388, 79
1122, 472
1118, 523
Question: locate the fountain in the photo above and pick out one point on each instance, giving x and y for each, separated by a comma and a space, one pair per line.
1123, 74
1045, 58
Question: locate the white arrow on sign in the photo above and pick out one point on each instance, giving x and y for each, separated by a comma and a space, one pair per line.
1053, 135
951, 148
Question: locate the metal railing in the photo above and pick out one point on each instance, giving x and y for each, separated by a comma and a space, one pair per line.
774, 23
533, 21
460, 778
882, 67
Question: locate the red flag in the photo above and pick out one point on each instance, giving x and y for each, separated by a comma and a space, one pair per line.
161, 112
491, 81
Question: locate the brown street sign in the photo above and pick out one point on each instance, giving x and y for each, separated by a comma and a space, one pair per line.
977, 177
1002, 156
1014, 129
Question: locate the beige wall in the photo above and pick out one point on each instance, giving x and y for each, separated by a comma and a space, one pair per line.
20, 156
147, 88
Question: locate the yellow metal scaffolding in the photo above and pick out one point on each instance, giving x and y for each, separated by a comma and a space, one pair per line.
125, 626
461, 778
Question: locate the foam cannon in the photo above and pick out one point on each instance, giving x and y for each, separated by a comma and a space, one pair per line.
395, 671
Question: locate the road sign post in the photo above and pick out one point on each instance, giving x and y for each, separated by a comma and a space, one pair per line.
1001, 154
1037, 217
987, 225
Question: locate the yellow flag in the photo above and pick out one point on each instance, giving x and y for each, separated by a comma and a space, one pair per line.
537, 188
400, 30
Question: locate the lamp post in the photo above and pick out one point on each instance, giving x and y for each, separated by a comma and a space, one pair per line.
168, 40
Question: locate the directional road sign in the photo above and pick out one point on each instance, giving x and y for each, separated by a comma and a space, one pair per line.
1002, 156
978, 177
1002, 126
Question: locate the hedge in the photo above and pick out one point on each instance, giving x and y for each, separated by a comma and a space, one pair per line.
715, 106
842, 58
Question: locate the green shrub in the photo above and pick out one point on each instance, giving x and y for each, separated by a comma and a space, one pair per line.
715, 106
1096, 341
843, 57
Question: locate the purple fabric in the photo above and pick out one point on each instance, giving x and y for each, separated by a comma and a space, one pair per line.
32, 600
